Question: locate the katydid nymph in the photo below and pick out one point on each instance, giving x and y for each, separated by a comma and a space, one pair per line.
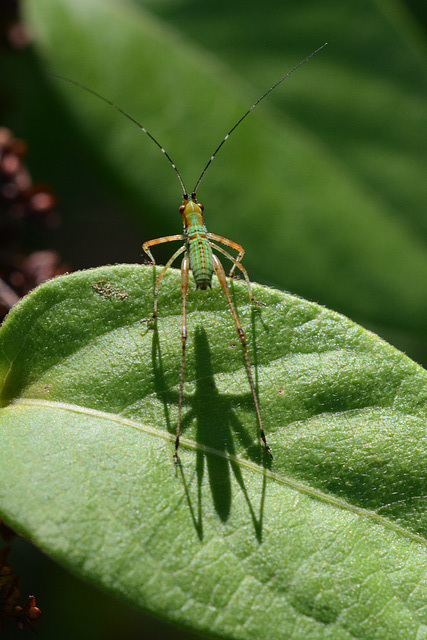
198, 248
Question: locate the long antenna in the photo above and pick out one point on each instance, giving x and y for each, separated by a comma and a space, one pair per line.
129, 117
171, 162
251, 109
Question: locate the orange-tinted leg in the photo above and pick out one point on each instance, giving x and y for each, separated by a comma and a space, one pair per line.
234, 245
239, 266
185, 269
219, 270
152, 243
178, 252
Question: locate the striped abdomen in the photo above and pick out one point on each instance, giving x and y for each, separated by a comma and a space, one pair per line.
200, 254
198, 246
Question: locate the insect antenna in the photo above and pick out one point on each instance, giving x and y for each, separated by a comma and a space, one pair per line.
129, 117
248, 112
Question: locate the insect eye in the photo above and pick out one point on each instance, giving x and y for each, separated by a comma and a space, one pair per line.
201, 206
181, 209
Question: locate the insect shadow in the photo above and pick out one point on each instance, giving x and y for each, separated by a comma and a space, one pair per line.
214, 437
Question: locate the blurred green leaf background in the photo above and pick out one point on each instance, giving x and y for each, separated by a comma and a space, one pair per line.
324, 184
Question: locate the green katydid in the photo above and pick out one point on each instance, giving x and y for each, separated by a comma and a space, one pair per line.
198, 248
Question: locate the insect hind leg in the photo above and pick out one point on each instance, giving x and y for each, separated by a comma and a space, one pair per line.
237, 264
219, 270
185, 269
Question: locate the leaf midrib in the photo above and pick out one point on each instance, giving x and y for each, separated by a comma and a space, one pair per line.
248, 464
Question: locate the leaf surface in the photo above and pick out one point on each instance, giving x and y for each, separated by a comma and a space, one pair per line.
327, 541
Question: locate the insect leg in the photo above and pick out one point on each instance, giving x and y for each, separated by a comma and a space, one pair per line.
185, 269
163, 271
233, 245
152, 243
242, 269
219, 270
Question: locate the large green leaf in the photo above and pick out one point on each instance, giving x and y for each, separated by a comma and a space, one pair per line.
327, 541
330, 202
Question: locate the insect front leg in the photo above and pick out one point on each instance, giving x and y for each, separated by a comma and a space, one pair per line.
151, 243
185, 269
146, 247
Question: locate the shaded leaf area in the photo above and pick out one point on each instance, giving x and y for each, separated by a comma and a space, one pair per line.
328, 540
323, 184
